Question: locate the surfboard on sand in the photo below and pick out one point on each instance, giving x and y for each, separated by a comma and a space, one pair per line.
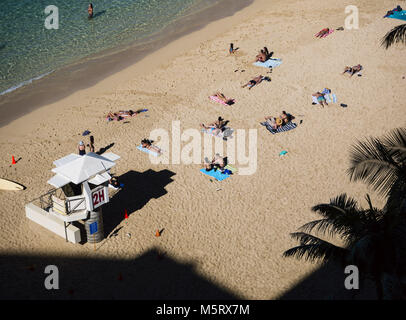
10, 185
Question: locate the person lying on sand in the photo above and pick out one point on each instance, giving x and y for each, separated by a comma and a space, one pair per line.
216, 127
255, 81
320, 98
218, 162
275, 123
147, 144
323, 32
122, 114
223, 98
352, 70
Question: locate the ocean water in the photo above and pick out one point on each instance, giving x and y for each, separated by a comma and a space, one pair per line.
28, 50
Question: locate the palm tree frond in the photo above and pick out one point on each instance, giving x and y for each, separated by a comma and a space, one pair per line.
397, 34
371, 161
312, 248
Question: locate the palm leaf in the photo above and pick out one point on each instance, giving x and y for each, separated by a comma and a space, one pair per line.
397, 34
395, 142
312, 248
371, 161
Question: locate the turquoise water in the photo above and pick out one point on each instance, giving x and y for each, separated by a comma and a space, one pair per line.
28, 50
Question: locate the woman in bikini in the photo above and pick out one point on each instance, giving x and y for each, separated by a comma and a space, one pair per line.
214, 128
323, 32
90, 11
147, 144
218, 162
286, 117
352, 70
223, 98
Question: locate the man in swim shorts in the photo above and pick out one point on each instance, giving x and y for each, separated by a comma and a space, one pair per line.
320, 98
253, 82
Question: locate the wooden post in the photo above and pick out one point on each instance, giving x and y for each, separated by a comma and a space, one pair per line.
66, 234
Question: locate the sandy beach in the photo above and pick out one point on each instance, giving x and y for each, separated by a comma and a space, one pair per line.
232, 233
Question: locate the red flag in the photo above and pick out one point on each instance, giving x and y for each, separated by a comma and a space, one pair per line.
125, 214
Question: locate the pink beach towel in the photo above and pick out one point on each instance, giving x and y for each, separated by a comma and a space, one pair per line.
217, 99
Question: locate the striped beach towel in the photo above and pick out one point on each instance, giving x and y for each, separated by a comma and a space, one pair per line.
286, 127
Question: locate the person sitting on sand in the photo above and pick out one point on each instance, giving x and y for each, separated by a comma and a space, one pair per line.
147, 144
286, 117
261, 56
352, 70
320, 98
218, 162
114, 182
232, 50
223, 98
255, 81
322, 33
81, 148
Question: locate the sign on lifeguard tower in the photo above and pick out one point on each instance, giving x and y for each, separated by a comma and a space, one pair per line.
81, 184
99, 198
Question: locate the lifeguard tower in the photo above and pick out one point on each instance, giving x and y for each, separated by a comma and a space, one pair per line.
81, 188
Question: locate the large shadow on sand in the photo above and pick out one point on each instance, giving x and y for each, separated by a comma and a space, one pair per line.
143, 277
327, 283
139, 188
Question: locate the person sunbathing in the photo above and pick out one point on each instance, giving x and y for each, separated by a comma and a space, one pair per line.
223, 98
286, 117
352, 70
218, 162
255, 81
273, 122
263, 55
322, 33
320, 98
216, 127
147, 144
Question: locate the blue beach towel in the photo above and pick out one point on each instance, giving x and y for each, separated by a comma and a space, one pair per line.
401, 15
147, 151
286, 127
215, 174
270, 63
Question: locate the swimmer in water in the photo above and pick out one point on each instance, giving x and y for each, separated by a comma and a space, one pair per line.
90, 11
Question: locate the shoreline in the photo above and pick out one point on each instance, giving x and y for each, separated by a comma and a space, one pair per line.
50, 89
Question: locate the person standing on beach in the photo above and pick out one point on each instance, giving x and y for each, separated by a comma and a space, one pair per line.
81, 148
90, 11
91, 145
